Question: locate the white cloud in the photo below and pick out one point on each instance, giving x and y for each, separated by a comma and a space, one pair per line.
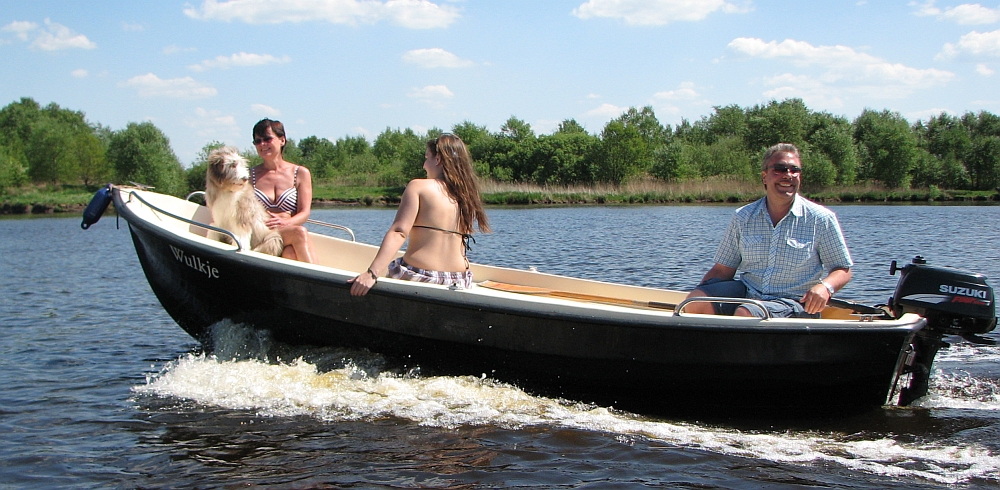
132, 27
54, 37
841, 70
150, 85
655, 12
971, 45
212, 125
606, 110
79, 73
434, 58
685, 92
984, 70
413, 14
435, 95
20, 28
264, 110
239, 59
965, 14
58, 36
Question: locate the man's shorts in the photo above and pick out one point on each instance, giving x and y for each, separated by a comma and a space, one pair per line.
734, 288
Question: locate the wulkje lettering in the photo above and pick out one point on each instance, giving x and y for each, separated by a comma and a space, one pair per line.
961, 291
195, 262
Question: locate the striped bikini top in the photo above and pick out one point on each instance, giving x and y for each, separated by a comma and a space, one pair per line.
288, 201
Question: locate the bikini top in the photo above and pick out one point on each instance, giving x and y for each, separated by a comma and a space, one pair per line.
288, 201
466, 237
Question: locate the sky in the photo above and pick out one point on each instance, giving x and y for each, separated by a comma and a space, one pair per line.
208, 70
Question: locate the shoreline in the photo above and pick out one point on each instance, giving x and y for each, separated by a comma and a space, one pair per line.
533, 199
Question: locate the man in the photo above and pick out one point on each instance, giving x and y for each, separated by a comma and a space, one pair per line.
790, 251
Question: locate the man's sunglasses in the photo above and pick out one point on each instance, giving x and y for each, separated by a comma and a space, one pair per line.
780, 168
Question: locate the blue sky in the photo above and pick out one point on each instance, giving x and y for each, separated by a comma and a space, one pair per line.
207, 70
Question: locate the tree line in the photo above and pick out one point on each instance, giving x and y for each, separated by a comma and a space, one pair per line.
54, 146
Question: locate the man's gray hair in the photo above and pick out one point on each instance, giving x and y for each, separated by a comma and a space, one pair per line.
779, 148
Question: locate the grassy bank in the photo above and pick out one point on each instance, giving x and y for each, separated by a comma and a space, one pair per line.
73, 199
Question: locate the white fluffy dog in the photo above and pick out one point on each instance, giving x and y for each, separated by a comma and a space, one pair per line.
234, 206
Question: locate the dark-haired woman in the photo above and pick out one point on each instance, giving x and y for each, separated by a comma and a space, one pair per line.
285, 189
436, 215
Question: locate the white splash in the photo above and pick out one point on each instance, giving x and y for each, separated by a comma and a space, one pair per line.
352, 393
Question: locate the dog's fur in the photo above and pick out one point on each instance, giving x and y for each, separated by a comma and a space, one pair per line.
234, 207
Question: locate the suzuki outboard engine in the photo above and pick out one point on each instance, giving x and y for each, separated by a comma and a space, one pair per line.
954, 302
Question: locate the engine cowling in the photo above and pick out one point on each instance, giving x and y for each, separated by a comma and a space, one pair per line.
954, 301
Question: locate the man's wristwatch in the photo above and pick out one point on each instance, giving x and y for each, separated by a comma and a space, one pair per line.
827, 286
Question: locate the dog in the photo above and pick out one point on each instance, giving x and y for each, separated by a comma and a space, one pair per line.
234, 207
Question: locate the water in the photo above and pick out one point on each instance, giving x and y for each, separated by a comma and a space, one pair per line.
101, 389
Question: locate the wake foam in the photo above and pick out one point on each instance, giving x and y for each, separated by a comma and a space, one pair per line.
256, 374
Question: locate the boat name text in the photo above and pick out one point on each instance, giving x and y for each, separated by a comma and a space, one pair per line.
960, 291
195, 262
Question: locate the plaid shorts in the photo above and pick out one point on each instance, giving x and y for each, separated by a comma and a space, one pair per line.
401, 270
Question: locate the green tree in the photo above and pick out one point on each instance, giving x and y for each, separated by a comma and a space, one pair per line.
141, 153
400, 155
319, 155
18, 118
91, 159
832, 137
787, 121
676, 160
730, 120
927, 170
47, 147
510, 152
984, 163
887, 147
628, 144
564, 158
13, 169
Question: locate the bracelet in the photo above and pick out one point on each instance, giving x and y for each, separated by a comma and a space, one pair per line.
828, 287
375, 277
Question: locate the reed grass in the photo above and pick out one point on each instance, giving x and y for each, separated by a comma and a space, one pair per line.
67, 198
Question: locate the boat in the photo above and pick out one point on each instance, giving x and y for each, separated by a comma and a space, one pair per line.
628, 347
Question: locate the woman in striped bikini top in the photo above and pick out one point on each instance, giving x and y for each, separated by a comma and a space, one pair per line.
284, 188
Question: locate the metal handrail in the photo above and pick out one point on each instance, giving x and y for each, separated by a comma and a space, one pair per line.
310, 221
331, 225
703, 299
239, 246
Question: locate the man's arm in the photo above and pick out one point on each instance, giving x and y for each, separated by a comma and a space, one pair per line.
719, 271
819, 295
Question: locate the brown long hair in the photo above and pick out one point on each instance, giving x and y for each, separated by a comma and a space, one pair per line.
460, 180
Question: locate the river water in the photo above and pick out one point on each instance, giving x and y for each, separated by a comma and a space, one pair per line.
101, 389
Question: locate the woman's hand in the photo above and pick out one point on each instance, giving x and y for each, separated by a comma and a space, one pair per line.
278, 220
361, 284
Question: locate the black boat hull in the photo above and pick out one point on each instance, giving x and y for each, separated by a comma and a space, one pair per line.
661, 364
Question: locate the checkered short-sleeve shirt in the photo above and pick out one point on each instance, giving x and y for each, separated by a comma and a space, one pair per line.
783, 261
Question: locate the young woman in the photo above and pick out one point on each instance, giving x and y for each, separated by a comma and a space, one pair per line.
436, 215
285, 189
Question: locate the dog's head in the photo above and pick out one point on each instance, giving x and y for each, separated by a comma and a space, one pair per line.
227, 168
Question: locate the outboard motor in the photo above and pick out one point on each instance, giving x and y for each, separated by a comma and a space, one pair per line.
954, 302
